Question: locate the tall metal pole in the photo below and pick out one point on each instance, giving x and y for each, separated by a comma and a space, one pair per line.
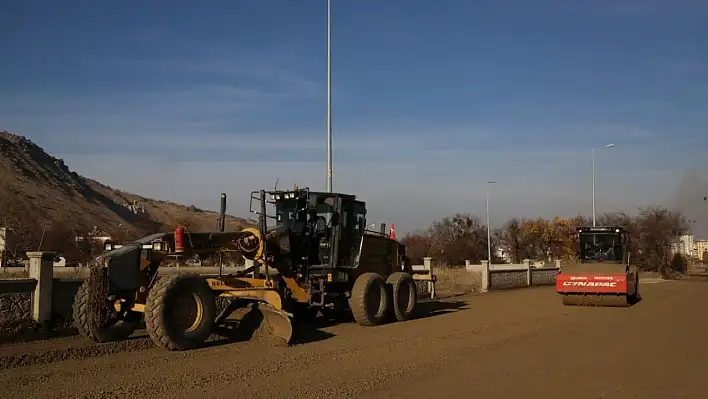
489, 235
593, 180
329, 96
593, 187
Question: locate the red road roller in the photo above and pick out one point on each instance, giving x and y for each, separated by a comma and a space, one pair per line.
603, 275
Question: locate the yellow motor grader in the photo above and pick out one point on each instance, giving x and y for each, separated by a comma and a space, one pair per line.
317, 257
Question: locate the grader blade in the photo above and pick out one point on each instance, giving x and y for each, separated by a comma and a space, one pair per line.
274, 326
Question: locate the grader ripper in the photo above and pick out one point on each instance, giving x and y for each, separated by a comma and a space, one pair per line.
319, 257
604, 275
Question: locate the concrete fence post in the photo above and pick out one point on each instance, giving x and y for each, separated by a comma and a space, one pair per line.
428, 265
527, 265
485, 276
41, 269
558, 263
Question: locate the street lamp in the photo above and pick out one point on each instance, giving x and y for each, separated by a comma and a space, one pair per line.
593, 179
489, 236
329, 96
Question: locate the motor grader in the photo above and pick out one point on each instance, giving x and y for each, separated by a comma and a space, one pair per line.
603, 275
317, 257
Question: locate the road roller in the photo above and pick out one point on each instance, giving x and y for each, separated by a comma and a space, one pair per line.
603, 275
310, 254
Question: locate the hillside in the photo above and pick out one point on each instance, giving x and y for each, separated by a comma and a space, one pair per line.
38, 188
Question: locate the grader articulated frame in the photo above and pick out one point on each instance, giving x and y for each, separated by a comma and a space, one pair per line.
318, 257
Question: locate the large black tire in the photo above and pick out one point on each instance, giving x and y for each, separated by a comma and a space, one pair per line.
170, 321
88, 320
404, 295
370, 300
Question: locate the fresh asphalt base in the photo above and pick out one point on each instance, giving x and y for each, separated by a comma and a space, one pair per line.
515, 344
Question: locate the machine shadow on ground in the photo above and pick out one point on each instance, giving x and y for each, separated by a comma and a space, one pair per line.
244, 326
433, 308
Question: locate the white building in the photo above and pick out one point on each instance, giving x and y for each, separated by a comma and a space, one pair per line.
6, 238
684, 245
503, 254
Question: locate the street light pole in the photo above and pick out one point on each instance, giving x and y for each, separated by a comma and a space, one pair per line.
329, 96
489, 235
593, 180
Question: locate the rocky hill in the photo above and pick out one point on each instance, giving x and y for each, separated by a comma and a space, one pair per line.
39, 189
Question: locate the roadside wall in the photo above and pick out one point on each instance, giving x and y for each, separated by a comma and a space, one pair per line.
506, 276
16, 298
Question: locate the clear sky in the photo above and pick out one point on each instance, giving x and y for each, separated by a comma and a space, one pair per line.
183, 100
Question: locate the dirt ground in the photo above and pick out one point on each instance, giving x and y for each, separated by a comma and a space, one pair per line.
517, 344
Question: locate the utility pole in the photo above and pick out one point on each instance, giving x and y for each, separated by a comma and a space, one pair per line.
329, 96
489, 234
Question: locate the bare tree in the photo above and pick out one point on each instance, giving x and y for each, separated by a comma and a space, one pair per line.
656, 229
461, 237
513, 237
418, 245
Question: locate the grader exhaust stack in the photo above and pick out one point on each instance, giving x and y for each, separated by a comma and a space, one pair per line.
603, 276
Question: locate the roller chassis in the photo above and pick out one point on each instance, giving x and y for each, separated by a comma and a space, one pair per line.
180, 311
611, 282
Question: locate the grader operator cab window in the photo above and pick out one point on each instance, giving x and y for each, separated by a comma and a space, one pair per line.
601, 244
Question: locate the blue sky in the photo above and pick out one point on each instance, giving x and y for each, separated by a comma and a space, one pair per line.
181, 101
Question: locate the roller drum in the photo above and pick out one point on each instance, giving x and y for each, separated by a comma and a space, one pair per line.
596, 300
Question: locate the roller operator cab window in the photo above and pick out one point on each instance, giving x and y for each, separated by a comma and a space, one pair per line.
601, 247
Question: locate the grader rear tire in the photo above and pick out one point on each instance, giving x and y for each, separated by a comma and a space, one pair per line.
404, 295
370, 300
169, 308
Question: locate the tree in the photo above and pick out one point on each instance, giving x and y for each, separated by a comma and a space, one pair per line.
418, 245
656, 229
513, 237
22, 224
458, 238
462, 236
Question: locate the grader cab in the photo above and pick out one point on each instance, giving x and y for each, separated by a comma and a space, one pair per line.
317, 256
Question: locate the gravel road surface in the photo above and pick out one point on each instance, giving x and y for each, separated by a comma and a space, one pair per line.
516, 344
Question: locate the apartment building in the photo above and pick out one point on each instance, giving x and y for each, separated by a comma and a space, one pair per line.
700, 248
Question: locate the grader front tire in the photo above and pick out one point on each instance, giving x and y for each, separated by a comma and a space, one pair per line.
370, 300
87, 317
180, 312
